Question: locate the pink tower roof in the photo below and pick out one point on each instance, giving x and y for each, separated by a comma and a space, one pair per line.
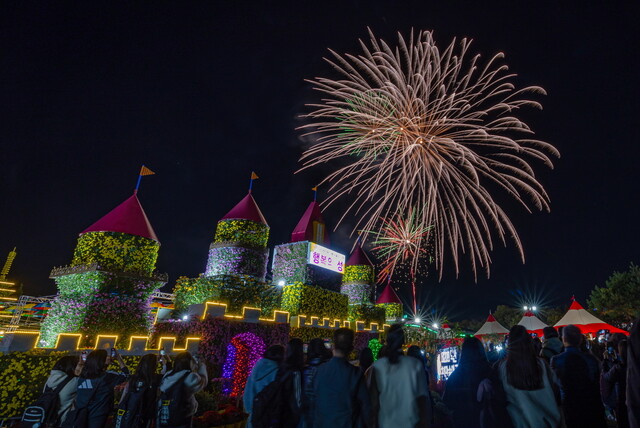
128, 217
491, 326
359, 257
246, 209
388, 296
304, 229
586, 322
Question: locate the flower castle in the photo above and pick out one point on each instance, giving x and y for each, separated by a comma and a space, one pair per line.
107, 287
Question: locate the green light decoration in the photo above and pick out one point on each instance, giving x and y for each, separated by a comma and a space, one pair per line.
244, 233
375, 346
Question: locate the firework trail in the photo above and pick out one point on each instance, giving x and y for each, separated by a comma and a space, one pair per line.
412, 127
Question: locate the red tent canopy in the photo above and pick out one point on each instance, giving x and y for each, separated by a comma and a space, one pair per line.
586, 322
491, 326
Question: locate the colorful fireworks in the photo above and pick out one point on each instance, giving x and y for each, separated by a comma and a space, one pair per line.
411, 127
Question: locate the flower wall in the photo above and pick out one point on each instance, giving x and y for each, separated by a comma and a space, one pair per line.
301, 299
235, 291
245, 233
392, 311
232, 260
290, 263
367, 313
358, 293
116, 251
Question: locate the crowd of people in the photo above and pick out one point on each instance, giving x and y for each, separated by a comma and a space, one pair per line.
565, 380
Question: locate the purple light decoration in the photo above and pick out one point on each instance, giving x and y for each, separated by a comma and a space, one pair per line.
244, 350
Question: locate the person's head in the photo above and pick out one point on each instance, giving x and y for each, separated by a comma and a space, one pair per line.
343, 342
571, 336
294, 355
623, 347
395, 341
67, 364
365, 358
317, 350
147, 367
382, 352
183, 361
96, 364
523, 369
274, 353
472, 355
549, 332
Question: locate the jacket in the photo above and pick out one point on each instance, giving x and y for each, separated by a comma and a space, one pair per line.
550, 348
194, 382
67, 394
262, 374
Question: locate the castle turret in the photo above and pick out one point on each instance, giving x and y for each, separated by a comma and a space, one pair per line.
391, 303
107, 287
240, 243
358, 281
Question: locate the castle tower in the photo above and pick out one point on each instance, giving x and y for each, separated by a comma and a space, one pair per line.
240, 243
107, 287
358, 281
305, 259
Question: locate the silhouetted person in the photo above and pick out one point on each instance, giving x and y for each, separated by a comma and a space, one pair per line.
342, 400
462, 386
551, 345
365, 359
614, 381
398, 387
262, 374
579, 375
633, 376
528, 384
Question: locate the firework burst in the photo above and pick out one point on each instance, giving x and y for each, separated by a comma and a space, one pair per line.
416, 128
401, 242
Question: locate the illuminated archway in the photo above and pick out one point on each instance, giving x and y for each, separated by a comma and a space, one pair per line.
244, 350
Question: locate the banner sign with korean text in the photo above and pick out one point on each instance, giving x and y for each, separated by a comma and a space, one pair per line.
325, 258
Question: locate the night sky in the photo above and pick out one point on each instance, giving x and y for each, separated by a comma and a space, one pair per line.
203, 93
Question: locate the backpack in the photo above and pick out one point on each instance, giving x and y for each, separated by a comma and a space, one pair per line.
271, 405
44, 412
172, 406
131, 410
79, 417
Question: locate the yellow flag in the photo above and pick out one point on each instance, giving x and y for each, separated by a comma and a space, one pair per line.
146, 171
315, 189
254, 176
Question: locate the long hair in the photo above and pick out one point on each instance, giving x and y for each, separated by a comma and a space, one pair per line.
365, 358
145, 371
67, 364
182, 362
523, 368
294, 355
274, 353
95, 365
472, 355
395, 340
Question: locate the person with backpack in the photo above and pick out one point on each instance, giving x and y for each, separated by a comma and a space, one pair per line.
278, 404
262, 374
341, 396
137, 407
177, 403
94, 397
58, 395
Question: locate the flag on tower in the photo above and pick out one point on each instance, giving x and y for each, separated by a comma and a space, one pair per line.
254, 176
143, 171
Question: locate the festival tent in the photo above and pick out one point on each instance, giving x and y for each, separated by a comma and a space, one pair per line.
532, 323
491, 326
586, 322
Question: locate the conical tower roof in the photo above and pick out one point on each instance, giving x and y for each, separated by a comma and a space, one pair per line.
304, 230
128, 217
587, 323
388, 296
491, 326
359, 257
246, 209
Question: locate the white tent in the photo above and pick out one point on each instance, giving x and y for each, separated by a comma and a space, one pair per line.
586, 322
491, 326
532, 323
